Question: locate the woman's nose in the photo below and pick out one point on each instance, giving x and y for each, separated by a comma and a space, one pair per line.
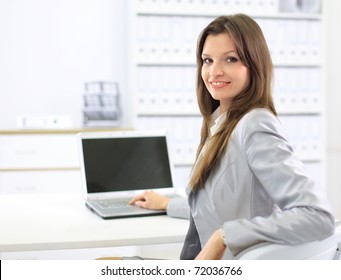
216, 70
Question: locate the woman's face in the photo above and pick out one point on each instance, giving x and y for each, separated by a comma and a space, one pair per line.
224, 75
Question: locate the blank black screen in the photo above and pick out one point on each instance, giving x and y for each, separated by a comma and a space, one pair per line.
123, 164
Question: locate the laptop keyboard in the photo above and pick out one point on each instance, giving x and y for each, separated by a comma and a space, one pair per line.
114, 203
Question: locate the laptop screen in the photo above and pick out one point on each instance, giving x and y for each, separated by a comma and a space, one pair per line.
124, 164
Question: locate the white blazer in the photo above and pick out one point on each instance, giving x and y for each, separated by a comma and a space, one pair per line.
258, 192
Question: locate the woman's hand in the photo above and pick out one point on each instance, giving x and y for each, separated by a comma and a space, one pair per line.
214, 249
150, 200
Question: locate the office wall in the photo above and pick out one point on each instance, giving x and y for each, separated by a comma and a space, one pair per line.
48, 49
332, 10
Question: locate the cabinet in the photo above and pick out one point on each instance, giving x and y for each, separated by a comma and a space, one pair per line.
36, 161
39, 161
164, 34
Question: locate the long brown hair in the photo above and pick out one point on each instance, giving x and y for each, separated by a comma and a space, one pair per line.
253, 52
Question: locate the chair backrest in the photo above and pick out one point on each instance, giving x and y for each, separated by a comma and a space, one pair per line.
326, 249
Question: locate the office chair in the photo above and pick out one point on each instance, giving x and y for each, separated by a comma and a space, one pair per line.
326, 249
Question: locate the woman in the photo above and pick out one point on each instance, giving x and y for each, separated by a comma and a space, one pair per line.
247, 186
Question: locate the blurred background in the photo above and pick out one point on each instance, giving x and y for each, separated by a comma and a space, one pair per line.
73, 65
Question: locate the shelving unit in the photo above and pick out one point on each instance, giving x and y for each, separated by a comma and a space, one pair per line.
165, 34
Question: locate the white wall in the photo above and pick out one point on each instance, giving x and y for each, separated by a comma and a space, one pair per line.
48, 49
332, 9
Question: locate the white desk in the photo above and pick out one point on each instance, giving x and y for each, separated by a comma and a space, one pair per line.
32, 222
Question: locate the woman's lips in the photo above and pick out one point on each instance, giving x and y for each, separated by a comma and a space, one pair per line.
219, 84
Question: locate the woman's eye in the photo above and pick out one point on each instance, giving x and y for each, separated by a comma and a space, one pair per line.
207, 60
231, 59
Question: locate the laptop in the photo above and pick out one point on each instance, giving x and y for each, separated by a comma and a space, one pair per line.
118, 165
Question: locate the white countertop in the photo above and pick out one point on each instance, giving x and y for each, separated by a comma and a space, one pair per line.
31, 222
